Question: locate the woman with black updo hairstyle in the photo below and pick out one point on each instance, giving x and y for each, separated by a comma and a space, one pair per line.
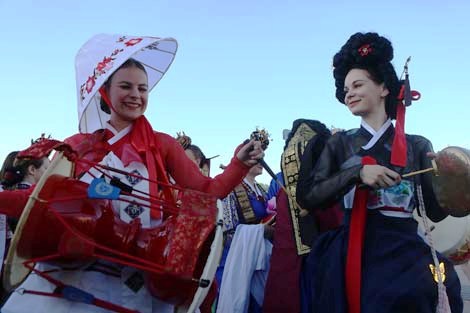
376, 261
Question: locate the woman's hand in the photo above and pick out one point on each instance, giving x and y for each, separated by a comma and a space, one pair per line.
250, 153
377, 176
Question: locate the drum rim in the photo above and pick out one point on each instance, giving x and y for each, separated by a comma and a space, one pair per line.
214, 257
12, 256
465, 235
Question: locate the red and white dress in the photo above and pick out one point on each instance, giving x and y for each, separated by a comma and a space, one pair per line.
119, 150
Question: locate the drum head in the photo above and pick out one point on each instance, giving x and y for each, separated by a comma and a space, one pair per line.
452, 182
14, 271
450, 235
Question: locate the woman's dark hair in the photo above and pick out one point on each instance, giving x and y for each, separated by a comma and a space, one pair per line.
7, 164
129, 63
373, 53
198, 154
15, 172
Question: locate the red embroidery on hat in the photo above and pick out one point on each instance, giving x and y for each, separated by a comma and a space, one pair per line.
132, 42
102, 67
90, 83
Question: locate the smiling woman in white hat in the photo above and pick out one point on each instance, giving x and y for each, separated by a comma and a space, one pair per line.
114, 76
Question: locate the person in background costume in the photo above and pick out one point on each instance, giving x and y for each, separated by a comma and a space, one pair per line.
295, 231
375, 262
195, 153
17, 173
114, 76
245, 210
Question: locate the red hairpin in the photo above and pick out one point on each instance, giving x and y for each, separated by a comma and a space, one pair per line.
364, 50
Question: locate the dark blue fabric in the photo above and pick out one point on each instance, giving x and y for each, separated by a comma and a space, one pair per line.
220, 268
77, 295
259, 206
395, 270
306, 279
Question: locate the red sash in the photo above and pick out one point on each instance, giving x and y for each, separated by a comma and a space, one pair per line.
355, 245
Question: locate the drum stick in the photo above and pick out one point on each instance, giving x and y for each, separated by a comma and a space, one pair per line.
418, 172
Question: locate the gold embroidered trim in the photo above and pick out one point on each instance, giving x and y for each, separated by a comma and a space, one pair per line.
290, 169
244, 203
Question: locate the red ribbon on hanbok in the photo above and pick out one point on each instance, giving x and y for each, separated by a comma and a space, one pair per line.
355, 244
144, 141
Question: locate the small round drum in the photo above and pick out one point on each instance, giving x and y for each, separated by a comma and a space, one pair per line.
64, 226
452, 182
451, 237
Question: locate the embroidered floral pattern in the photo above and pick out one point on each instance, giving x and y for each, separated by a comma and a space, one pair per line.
132, 42
190, 231
105, 65
187, 240
90, 83
398, 196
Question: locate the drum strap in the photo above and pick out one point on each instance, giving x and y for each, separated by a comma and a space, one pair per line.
74, 294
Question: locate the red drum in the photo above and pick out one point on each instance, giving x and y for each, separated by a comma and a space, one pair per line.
179, 257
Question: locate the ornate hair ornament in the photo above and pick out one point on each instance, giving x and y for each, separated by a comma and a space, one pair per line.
43, 146
184, 141
262, 136
365, 50
38, 140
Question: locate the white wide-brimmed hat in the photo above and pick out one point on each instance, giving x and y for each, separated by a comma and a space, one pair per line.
101, 56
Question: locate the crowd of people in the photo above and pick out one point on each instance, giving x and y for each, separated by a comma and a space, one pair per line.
334, 232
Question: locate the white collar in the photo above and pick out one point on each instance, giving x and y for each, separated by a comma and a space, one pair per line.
375, 134
117, 134
253, 187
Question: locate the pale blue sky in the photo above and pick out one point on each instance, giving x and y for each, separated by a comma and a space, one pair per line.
240, 64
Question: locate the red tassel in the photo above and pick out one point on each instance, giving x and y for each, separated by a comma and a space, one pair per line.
399, 141
355, 244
